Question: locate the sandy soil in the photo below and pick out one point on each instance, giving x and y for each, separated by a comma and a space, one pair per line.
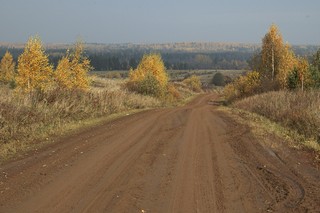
187, 159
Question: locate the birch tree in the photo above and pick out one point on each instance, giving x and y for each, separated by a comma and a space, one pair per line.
34, 70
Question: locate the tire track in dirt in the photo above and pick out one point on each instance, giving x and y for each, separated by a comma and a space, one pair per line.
283, 185
186, 159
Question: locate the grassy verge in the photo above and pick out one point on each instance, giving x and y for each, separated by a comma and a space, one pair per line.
28, 121
294, 114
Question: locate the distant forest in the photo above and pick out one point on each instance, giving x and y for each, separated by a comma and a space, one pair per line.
177, 56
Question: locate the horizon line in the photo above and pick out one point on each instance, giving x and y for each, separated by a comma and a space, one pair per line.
2, 43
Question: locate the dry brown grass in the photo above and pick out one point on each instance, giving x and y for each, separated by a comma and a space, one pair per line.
299, 111
25, 118
27, 121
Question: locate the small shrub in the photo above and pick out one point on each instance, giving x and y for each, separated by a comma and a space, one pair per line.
218, 79
193, 83
230, 92
243, 86
172, 90
172, 93
149, 85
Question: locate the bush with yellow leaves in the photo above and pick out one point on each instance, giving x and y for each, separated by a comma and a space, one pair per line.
150, 77
230, 92
194, 83
243, 86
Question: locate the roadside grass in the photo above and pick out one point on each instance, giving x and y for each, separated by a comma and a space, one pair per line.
29, 121
16, 148
294, 115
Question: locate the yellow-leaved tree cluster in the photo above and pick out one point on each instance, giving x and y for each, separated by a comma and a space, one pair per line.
72, 69
35, 73
246, 85
150, 77
275, 67
278, 59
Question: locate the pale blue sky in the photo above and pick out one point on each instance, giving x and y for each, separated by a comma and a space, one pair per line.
151, 21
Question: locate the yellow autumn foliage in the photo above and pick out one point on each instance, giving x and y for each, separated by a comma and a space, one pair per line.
150, 77
288, 62
249, 83
272, 46
243, 86
303, 73
7, 68
193, 83
72, 70
34, 70
277, 58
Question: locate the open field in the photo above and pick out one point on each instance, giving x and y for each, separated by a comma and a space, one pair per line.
205, 75
176, 75
194, 158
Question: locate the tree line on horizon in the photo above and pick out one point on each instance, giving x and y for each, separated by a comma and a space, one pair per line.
181, 56
126, 59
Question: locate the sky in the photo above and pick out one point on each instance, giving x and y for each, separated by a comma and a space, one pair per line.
158, 21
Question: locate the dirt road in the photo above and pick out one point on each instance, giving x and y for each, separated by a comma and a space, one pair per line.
188, 159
